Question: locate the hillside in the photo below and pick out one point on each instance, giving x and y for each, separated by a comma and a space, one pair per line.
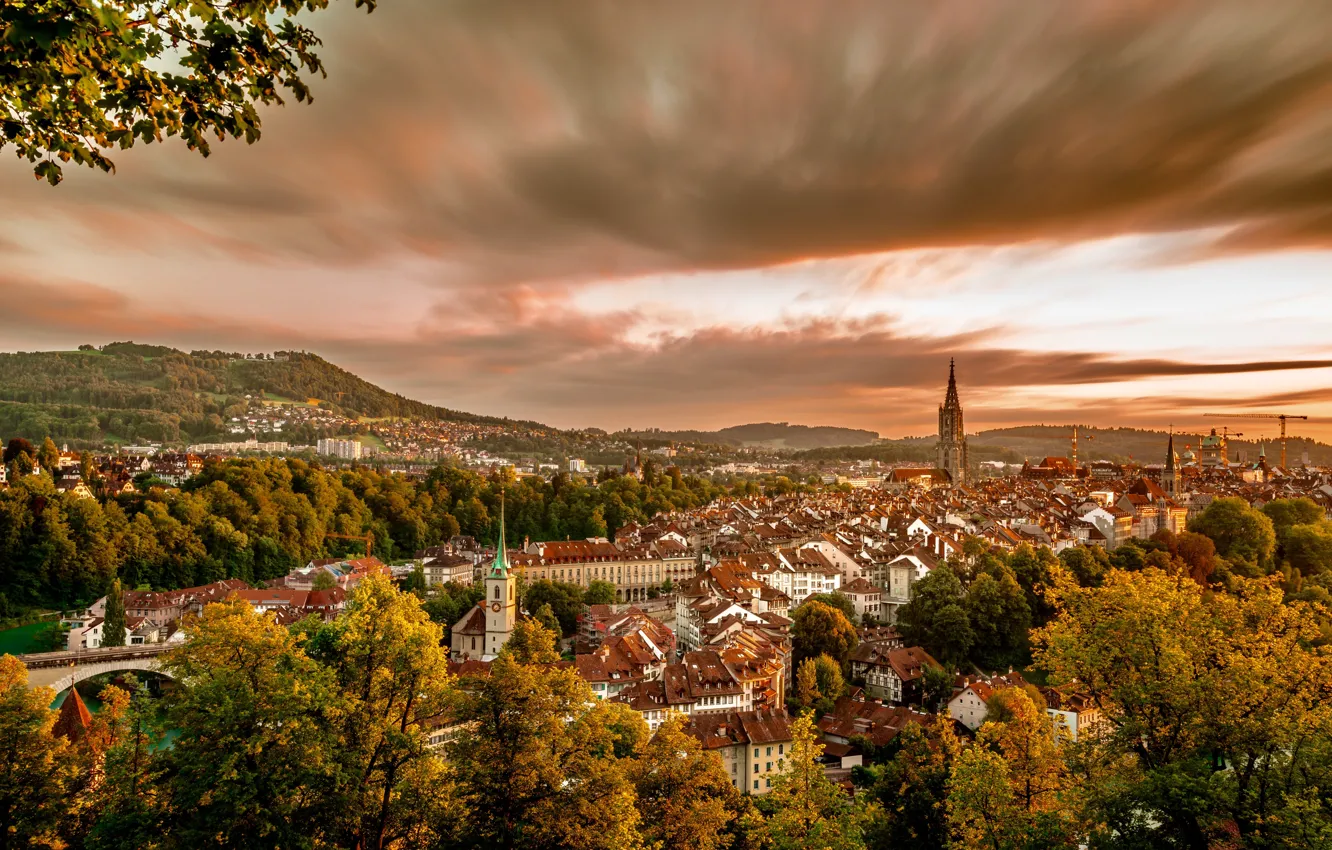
132, 392
770, 435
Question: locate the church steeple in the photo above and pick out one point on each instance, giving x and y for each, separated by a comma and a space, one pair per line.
500, 568
950, 398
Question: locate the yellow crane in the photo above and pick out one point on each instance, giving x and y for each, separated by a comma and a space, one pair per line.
367, 539
1281, 417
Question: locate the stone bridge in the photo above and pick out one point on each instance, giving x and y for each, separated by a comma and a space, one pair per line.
61, 670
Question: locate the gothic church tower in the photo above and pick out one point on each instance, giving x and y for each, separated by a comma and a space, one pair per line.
501, 598
951, 452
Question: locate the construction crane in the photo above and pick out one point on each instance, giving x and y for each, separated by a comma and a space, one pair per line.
367, 539
1281, 417
1074, 448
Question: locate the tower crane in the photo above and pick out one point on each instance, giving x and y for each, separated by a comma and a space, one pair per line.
367, 539
1281, 417
1074, 448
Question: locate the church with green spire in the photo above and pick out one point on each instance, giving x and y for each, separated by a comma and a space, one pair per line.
501, 601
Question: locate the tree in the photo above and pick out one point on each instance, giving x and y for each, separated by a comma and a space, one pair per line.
1242, 535
840, 601
1285, 513
1188, 681
535, 766
1012, 789
38, 768
18, 446
936, 617
252, 745
113, 626
324, 580
49, 456
819, 629
912, 789
532, 642
807, 809
385, 655
79, 78
1088, 564
546, 617
565, 601
819, 683
1308, 548
684, 796
936, 687
599, 593
997, 611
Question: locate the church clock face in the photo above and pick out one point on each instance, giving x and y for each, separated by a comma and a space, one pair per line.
495, 606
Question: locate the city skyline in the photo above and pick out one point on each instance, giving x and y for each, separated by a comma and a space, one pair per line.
1109, 213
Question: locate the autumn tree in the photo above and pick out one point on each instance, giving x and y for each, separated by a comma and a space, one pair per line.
819, 629
113, 624
534, 766
392, 677
38, 769
1213, 705
79, 78
1012, 788
49, 456
807, 810
252, 748
819, 683
685, 798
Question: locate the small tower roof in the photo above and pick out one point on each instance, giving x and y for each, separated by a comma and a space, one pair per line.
74, 718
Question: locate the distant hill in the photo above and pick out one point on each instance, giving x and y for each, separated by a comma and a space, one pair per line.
772, 435
133, 392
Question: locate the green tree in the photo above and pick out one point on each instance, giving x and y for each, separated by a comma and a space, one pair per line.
251, 747
1242, 535
999, 617
80, 78
49, 456
565, 601
546, 617
1285, 513
392, 674
1308, 548
936, 617
684, 796
599, 593
912, 789
1088, 564
113, 625
324, 580
819, 629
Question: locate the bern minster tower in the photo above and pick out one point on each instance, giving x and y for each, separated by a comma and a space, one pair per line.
952, 448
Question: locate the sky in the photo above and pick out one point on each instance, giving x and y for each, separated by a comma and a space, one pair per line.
696, 214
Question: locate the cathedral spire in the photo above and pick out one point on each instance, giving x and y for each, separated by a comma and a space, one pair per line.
951, 397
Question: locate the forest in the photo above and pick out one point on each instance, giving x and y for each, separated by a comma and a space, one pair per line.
258, 519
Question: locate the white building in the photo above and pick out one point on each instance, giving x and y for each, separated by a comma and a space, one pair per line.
577, 464
344, 449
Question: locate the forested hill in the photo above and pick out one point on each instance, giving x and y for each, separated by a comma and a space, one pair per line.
773, 435
131, 391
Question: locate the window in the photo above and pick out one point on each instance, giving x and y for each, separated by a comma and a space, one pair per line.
756, 752
755, 784
768, 768
497, 591
756, 770
769, 781
473, 643
769, 751
781, 748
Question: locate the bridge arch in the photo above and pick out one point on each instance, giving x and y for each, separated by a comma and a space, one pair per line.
63, 670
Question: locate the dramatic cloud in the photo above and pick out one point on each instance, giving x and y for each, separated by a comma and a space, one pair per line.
531, 208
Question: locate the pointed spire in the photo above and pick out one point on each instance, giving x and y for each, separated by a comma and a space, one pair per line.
500, 569
74, 718
951, 400
1170, 452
